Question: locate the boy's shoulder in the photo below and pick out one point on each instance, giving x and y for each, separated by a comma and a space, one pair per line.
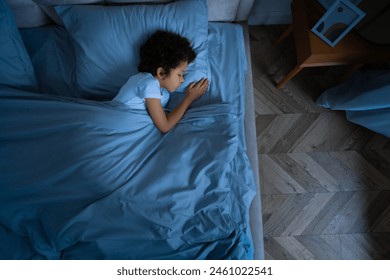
146, 83
143, 78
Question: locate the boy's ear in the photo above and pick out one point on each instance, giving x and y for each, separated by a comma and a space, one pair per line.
161, 73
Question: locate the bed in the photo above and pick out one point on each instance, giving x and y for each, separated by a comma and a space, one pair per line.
83, 177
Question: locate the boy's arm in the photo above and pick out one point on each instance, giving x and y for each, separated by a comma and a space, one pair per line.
165, 122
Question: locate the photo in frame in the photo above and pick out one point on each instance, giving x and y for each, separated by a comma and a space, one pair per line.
338, 20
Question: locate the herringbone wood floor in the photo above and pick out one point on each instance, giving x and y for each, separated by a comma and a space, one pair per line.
325, 181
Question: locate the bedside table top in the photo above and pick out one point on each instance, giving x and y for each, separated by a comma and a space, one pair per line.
312, 51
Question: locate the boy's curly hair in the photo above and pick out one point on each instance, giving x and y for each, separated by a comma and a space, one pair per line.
165, 49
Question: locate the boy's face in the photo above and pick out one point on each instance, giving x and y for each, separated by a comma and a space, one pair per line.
175, 79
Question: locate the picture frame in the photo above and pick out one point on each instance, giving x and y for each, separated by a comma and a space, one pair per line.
338, 20
328, 3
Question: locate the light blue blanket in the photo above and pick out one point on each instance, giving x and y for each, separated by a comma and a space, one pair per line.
88, 180
366, 99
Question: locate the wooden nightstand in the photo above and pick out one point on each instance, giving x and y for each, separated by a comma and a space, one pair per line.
311, 51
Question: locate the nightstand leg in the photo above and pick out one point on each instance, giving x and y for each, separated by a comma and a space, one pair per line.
283, 36
288, 77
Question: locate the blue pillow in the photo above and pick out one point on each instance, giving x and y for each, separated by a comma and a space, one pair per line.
16, 69
51, 52
107, 40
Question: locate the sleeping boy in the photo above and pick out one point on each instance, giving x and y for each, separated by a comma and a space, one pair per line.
164, 60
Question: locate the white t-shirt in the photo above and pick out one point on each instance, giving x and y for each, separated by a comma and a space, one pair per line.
139, 87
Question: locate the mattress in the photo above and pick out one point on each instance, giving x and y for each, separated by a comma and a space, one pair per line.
74, 199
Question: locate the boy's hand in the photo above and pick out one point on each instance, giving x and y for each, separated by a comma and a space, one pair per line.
196, 90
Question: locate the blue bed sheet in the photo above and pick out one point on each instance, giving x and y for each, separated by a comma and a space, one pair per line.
93, 180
